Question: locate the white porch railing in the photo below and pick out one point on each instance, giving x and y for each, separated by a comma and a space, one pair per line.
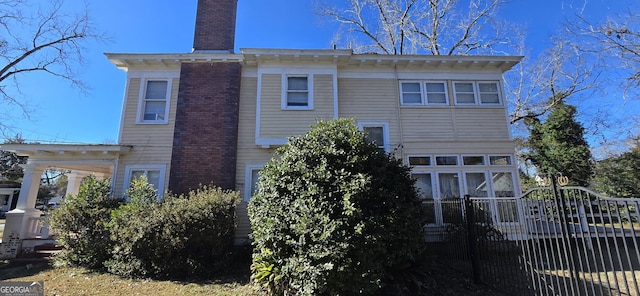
37, 227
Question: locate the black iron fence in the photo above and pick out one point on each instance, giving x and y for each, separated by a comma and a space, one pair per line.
551, 241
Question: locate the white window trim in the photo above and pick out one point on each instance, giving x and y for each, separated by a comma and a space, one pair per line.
457, 156
423, 99
385, 131
500, 165
141, 101
446, 93
431, 176
487, 178
476, 93
131, 168
424, 95
431, 164
311, 70
461, 185
285, 89
484, 160
516, 186
247, 179
499, 93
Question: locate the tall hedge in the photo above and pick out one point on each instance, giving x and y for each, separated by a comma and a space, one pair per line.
333, 215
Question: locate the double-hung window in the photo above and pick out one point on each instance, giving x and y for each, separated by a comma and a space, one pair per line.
464, 93
297, 94
488, 93
154, 101
154, 174
420, 93
377, 133
476, 93
411, 93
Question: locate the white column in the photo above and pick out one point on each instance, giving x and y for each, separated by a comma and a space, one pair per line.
23, 218
75, 178
29, 189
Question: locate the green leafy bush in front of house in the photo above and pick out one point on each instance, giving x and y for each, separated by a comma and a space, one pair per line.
180, 237
333, 214
80, 223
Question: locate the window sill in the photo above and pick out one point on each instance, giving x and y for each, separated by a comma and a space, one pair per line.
152, 122
425, 106
297, 109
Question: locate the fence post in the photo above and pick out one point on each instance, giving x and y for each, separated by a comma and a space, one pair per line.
563, 214
472, 239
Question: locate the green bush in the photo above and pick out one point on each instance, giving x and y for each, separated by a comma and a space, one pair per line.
333, 215
182, 236
81, 224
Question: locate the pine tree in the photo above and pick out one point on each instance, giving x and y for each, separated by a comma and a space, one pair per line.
557, 145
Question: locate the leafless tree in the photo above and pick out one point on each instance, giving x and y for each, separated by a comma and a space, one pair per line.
537, 85
615, 42
39, 36
438, 27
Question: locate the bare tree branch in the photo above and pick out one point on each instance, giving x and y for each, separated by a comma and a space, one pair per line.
420, 26
558, 73
616, 42
43, 38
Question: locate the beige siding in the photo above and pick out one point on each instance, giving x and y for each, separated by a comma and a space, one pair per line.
454, 123
152, 143
378, 100
248, 152
278, 123
450, 148
370, 100
448, 130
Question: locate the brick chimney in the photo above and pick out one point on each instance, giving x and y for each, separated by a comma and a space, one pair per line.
205, 139
215, 25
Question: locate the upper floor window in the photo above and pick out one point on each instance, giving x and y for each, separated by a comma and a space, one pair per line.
423, 93
377, 133
488, 93
464, 93
155, 101
411, 93
297, 95
476, 93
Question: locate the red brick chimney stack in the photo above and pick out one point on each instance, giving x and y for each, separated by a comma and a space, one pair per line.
215, 25
205, 138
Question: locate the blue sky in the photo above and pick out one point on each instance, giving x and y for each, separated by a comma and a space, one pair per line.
62, 114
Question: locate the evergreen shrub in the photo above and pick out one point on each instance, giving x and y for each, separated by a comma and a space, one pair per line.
334, 215
179, 237
81, 224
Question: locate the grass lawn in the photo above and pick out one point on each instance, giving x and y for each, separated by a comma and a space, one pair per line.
76, 281
441, 281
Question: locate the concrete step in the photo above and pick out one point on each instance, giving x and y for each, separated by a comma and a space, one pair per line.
46, 251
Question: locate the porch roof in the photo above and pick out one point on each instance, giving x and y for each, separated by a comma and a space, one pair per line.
84, 157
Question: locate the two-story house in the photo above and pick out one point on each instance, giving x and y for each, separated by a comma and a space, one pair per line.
216, 116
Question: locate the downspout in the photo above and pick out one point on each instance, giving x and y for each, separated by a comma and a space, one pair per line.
398, 113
